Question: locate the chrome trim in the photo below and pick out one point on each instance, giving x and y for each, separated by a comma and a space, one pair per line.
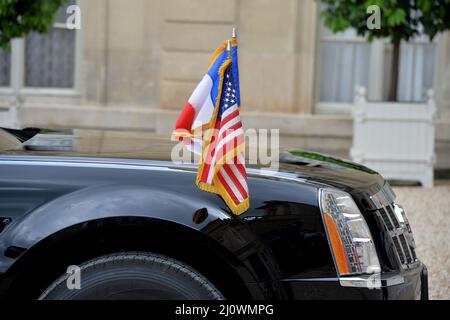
85, 161
117, 165
384, 197
121, 163
399, 212
311, 280
373, 281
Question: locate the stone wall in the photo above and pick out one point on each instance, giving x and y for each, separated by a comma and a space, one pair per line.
153, 53
141, 60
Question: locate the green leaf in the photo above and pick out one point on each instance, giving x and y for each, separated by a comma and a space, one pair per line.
20, 17
400, 19
397, 17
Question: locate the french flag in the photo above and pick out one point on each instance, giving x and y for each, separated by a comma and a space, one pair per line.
197, 114
210, 125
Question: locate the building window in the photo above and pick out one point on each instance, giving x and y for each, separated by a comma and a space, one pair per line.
50, 59
43, 64
347, 60
416, 75
344, 63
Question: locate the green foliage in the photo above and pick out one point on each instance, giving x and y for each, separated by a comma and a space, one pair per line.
400, 19
19, 17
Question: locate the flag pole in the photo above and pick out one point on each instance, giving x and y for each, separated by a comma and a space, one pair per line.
233, 34
229, 48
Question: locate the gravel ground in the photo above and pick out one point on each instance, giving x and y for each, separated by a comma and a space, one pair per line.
428, 211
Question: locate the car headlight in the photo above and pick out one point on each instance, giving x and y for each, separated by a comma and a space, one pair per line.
348, 234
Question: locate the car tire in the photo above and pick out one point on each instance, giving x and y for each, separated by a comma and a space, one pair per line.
134, 276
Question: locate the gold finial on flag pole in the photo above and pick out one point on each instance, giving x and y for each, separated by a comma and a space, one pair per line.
233, 35
229, 47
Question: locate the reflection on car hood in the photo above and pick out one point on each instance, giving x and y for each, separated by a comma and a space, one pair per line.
318, 168
329, 170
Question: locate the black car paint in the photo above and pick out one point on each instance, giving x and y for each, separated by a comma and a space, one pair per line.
280, 240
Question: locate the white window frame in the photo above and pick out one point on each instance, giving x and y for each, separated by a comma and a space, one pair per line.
376, 79
17, 72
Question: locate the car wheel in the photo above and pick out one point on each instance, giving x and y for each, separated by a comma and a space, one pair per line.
134, 275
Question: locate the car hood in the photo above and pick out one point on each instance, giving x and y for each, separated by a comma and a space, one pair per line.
361, 182
317, 170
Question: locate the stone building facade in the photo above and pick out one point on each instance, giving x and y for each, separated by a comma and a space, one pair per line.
137, 61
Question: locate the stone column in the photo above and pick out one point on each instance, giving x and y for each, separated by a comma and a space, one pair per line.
306, 33
94, 17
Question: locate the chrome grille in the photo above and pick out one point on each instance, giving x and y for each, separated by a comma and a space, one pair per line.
406, 249
386, 219
392, 216
399, 234
399, 249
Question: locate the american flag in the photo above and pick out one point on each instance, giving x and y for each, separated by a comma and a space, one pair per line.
223, 169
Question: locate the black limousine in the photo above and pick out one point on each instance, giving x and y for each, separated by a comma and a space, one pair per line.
136, 227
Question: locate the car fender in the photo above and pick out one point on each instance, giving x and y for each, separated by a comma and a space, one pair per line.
113, 200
